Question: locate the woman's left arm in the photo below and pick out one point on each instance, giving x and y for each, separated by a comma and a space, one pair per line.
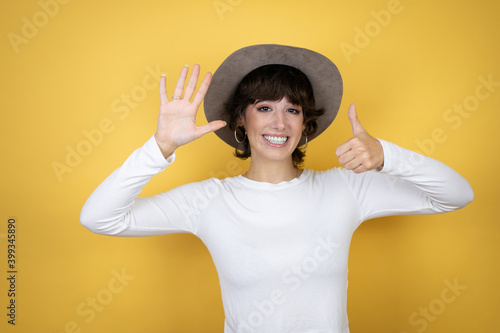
405, 182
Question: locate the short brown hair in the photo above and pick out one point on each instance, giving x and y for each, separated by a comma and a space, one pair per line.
273, 82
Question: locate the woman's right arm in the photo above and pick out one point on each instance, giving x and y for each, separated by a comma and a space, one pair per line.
110, 209
114, 209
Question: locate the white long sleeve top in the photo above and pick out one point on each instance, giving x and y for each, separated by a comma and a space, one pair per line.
280, 250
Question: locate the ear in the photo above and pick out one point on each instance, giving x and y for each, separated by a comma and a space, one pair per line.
241, 120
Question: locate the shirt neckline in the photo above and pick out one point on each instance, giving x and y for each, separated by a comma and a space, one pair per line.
265, 185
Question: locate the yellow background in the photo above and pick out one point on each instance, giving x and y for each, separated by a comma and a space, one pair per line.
81, 59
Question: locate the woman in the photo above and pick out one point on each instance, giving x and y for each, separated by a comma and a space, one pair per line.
279, 235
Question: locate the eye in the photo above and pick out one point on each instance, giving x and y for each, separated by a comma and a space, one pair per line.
293, 110
264, 108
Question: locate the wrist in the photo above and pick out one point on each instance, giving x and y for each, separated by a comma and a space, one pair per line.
166, 148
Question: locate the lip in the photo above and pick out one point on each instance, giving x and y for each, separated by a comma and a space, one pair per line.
276, 145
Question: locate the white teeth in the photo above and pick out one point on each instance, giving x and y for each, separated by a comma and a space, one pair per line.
276, 139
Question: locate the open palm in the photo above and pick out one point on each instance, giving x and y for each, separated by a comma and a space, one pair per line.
177, 117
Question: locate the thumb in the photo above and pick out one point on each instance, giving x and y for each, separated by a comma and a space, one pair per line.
212, 126
357, 128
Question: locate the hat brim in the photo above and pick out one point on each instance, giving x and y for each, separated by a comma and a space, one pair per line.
322, 73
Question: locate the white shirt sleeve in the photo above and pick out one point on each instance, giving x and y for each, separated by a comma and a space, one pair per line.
409, 183
114, 209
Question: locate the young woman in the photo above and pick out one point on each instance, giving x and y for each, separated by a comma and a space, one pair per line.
279, 235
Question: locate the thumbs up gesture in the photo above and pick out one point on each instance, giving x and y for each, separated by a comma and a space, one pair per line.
362, 152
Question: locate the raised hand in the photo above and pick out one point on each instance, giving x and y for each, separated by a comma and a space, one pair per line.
177, 117
362, 152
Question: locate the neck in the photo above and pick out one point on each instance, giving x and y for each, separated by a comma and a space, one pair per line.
272, 171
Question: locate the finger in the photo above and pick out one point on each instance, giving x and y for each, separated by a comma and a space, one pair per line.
211, 127
163, 90
359, 169
343, 148
346, 157
193, 80
200, 94
179, 88
356, 126
357, 165
353, 164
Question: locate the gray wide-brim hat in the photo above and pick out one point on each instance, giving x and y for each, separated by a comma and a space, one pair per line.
322, 73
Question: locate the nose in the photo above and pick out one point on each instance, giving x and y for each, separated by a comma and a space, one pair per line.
278, 122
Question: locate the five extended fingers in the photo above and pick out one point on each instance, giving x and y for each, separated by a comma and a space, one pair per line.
180, 103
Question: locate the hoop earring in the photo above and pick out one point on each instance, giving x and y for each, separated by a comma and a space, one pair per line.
236, 135
304, 145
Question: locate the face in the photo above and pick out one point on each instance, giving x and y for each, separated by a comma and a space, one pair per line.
274, 129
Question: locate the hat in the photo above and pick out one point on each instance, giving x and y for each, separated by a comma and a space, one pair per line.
322, 73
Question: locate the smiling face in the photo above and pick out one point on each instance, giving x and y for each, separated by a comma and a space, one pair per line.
265, 97
274, 129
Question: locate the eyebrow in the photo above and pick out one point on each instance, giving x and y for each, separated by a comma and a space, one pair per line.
266, 100
260, 100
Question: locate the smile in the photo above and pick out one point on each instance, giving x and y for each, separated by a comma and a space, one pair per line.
278, 140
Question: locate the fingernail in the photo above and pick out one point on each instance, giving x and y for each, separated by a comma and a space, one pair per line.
163, 75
